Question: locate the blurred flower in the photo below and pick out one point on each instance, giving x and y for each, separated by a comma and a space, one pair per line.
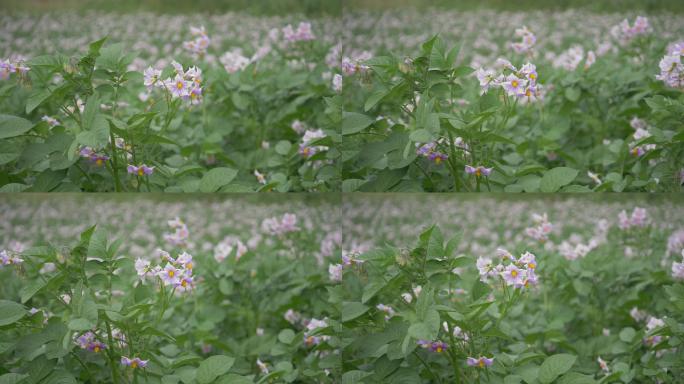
135, 362
141, 170
480, 362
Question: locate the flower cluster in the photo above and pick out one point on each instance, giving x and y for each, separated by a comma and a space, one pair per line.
311, 326
180, 235
287, 224
639, 219
389, 311
625, 33
176, 273
89, 342
233, 61
353, 65
94, 157
641, 132
337, 83
348, 259
479, 362
430, 151
335, 272
478, 171
433, 346
518, 273
8, 67
520, 83
141, 170
306, 149
302, 33
542, 228
574, 252
651, 324
135, 362
198, 46
528, 39
186, 85
225, 249
671, 67
571, 59
51, 121
8, 259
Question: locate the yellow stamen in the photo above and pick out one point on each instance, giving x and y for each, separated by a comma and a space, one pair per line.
188, 265
98, 161
172, 273
140, 171
96, 349
481, 363
514, 273
514, 83
134, 364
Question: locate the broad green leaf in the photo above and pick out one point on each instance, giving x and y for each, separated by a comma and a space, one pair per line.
353, 122
213, 367
10, 312
555, 178
286, 336
352, 310
80, 324
11, 126
216, 178
36, 98
555, 366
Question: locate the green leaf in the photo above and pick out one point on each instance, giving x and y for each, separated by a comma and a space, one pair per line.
420, 331
11, 126
354, 377
283, 147
352, 310
375, 98
555, 178
213, 367
31, 289
576, 378
627, 334
573, 94
35, 99
11, 378
353, 122
371, 289
555, 366
286, 336
216, 178
80, 324
421, 136
10, 312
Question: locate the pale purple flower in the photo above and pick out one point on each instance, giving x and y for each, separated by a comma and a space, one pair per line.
170, 275
513, 276
135, 362
141, 170
479, 362
335, 272
151, 77
514, 86
478, 171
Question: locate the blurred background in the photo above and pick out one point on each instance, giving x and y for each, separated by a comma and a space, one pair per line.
265, 7
323, 7
527, 5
